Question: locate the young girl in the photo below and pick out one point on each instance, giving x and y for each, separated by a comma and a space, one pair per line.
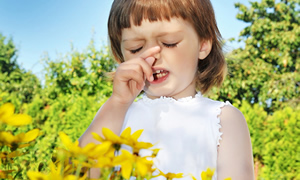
171, 51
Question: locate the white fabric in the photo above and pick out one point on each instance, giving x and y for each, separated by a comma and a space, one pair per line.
186, 131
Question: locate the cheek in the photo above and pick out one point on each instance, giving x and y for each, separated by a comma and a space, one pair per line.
127, 56
187, 58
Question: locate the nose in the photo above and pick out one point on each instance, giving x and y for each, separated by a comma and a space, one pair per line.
157, 55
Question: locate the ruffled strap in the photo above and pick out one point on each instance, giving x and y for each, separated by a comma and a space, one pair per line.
218, 124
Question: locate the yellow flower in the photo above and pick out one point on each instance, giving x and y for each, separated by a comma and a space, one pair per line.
6, 157
110, 137
91, 150
55, 173
7, 116
207, 175
106, 160
128, 161
132, 140
8, 139
5, 174
193, 177
170, 176
229, 178
125, 138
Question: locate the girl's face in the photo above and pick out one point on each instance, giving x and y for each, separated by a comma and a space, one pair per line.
176, 63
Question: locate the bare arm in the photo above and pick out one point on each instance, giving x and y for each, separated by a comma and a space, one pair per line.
110, 115
129, 81
235, 157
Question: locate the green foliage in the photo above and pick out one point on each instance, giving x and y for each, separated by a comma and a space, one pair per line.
20, 84
275, 141
266, 70
281, 154
79, 72
75, 87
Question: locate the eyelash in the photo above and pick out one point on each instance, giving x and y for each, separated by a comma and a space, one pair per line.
170, 45
166, 45
136, 50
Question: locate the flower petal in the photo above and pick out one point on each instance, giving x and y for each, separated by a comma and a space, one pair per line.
18, 120
126, 133
101, 149
143, 166
97, 137
126, 169
65, 140
110, 135
6, 110
135, 136
203, 175
125, 156
31, 135
7, 138
15, 154
36, 175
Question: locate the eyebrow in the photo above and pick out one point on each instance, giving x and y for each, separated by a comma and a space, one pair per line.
159, 35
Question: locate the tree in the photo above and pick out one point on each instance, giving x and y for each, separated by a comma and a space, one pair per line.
79, 72
266, 70
16, 84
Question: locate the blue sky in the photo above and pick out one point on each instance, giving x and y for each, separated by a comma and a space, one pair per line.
38, 26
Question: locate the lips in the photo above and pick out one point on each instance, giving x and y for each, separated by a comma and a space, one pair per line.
159, 76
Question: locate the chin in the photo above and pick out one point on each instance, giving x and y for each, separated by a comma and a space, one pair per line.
158, 92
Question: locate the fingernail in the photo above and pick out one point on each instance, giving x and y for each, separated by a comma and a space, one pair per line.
149, 59
151, 78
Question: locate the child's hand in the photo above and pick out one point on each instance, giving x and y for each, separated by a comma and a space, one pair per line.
131, 75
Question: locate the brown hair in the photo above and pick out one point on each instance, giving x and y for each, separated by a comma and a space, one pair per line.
200, 13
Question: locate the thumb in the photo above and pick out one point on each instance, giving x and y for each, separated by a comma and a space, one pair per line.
150, 60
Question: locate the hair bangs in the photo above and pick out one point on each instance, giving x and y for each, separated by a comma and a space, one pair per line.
154, 10
151, 10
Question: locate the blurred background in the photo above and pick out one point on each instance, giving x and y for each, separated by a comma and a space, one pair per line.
54, 57
40, 28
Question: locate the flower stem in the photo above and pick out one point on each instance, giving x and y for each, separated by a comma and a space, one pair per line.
78, 170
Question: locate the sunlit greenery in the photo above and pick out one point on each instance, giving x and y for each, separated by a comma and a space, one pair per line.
263, 82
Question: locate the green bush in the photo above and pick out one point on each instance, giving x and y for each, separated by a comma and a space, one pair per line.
275, 141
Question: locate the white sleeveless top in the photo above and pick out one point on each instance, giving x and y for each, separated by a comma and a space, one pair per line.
185, 130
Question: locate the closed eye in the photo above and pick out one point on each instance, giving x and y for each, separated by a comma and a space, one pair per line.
170, 45
136, 50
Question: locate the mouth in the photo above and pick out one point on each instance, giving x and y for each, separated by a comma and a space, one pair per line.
160, 75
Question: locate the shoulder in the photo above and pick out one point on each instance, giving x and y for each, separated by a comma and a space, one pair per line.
230, 114
233, 122
235, 149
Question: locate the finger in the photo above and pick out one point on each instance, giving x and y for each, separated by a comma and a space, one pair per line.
128, 72
150, 52
145, 68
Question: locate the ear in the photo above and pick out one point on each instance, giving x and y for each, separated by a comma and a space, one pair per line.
205, 49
